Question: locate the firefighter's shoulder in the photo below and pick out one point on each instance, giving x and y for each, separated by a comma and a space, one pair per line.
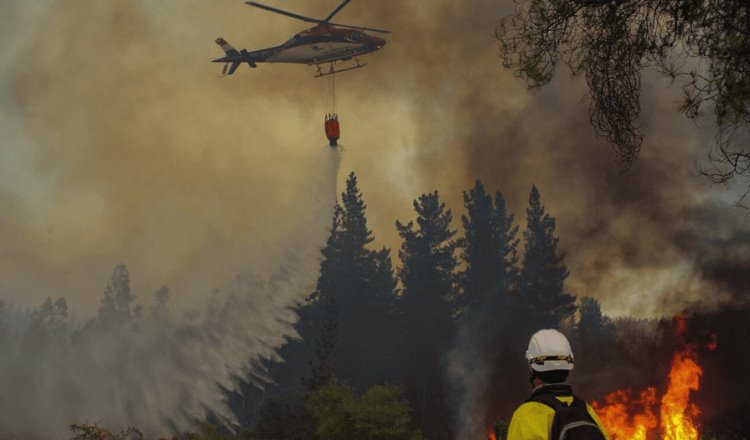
531, 421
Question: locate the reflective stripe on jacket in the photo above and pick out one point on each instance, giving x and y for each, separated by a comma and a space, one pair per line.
533, 420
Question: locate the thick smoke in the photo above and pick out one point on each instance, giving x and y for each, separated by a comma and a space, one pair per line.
120, 132
120, 142
469, 370
124, 144
163, 372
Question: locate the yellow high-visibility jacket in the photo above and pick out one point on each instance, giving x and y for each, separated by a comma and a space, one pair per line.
533, 420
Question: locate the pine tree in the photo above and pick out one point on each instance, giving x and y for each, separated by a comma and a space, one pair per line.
161, 295
333, 258
362, 284
355, 234
488, 252
544, 301
384, 283
505, 234
116, 304
323, 368
347, 264
161, 298
427, 274
49, 324
593, 325
364, 287
487, 338
595, 345
428, 262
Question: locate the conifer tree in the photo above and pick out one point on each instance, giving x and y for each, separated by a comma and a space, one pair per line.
323, 367
49, 324
505, 234
161, 295
355, 234
480, 252
593, 325
488, 252
595, 345
161, 298
428, 262
544, 301
333, 258
427, 274
116, 304
487, 339
362, 283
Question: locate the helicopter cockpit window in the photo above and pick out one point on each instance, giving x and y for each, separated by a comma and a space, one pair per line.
355, 36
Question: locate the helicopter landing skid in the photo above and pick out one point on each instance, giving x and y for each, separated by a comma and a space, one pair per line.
332, 69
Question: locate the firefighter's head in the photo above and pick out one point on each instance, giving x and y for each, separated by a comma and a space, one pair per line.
549, 356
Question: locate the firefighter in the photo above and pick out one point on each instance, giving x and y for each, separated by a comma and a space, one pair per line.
553, 412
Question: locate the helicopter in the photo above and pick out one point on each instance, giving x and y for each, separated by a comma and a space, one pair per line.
324, 43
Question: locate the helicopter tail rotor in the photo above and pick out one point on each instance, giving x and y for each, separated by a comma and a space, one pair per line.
233, 57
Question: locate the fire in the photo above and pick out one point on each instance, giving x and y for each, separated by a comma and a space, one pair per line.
614, 414
491, 435
677, 414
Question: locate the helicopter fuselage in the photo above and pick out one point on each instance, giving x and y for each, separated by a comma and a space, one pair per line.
317, 45
323, 44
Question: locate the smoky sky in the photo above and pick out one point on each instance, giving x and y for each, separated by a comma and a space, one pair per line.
121, 143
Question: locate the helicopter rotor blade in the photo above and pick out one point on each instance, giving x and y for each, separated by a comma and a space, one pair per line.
382, 31
282, 12
336, 11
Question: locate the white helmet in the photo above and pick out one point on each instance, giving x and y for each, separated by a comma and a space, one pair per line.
549, 350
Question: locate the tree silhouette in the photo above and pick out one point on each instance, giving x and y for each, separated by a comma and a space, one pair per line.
48, 325
544, 300
488, 252
323, 367
362, 283
427, 274
487, 337
116, 305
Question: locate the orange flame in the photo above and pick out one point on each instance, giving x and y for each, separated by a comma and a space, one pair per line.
614, 414
491, 435
677, 414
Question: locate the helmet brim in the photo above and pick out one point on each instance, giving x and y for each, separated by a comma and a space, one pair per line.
552, 365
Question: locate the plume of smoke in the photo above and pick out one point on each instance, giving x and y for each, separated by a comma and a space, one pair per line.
469, 371
485, 370
162, 373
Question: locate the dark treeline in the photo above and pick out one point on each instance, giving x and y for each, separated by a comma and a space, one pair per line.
450, 323
438, 340
458, 304
369, 323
